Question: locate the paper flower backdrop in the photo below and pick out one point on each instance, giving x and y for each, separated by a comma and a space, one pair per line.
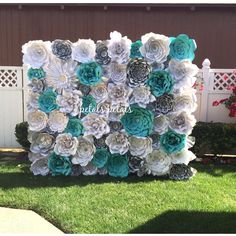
112, 107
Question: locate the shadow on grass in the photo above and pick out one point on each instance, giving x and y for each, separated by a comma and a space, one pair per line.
190, 222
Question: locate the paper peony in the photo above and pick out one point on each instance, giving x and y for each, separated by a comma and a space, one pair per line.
112, 107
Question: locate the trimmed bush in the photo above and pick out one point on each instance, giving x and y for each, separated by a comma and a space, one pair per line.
21, 133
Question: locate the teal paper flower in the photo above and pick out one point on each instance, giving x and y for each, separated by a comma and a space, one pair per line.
47, 101
100, 157
36, 73
134, 51
118, 165
74, 127
182, 47
160, 82
89, 73
59, 165
88, 104
138, 122
172, 142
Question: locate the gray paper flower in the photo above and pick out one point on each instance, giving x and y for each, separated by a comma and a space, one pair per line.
161, 124
138, 71
99, 92
89, 169
117, 73
135, 164
40, 167
115, 126
62, 49
32, 104
181, 172
102, 53
37, 85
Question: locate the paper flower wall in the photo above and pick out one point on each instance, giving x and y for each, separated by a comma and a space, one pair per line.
112, 107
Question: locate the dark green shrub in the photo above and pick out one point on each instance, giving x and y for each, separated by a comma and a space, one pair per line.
214, 138
21, 133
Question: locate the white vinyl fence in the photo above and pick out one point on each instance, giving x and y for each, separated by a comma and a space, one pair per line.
14, 93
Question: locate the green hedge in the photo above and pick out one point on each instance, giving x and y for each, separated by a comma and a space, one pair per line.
215, 138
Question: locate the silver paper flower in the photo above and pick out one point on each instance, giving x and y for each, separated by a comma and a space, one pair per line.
161, 124
37, 85
62, 49
85, 151
117, 73
66, 145
95, 125
181, 172
117, 143
32, 104
57, 121
40, 167
140, 147
99, 92
37, 120
102, 53
89, 169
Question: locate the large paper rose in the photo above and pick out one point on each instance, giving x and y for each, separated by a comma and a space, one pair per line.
138, 71
85, 151
160, 82
95, 125
89, 73
181, 172
62, 49
37, 120
157, 163
155, 47
74, 127
185, 156
182, 123
141, 96
102, 53
59, 165
117, 143
119, 47
163, 104
99, 92
70, 102
66, 145
161, 124
40, 167
36, 85
172, 142
42, 143
117, 165
36, 73
88, 104
47, 101
140, 147
182, 47
135, 49
184, 73
36, 53
117, 73
84, 50
139, 122
57, 121
60, 74
118, 94
100, 157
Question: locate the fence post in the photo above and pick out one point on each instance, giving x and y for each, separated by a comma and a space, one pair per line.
25, 91
206, 74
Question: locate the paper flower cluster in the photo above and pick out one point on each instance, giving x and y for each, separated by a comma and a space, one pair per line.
112, 107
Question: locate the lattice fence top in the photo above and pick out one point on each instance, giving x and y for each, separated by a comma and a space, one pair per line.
224, 81
9, 78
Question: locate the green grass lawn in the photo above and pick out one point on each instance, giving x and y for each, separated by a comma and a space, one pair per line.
101, 204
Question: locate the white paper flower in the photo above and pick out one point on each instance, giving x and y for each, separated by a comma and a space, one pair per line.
142, 96
60, 74
140, 147
155, 47
89, 169
117, 143
99, 92
34, 156
119, 47
42, 143
32, 104
40, 167
160, 124
184, 73
103, 109
36, 53
70, 102
66, 145
185, 156
182, 123
37, 120
85, 151
117, 73
95, 125
84, 50
37, 85
157, 163
118, 94
57, 121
